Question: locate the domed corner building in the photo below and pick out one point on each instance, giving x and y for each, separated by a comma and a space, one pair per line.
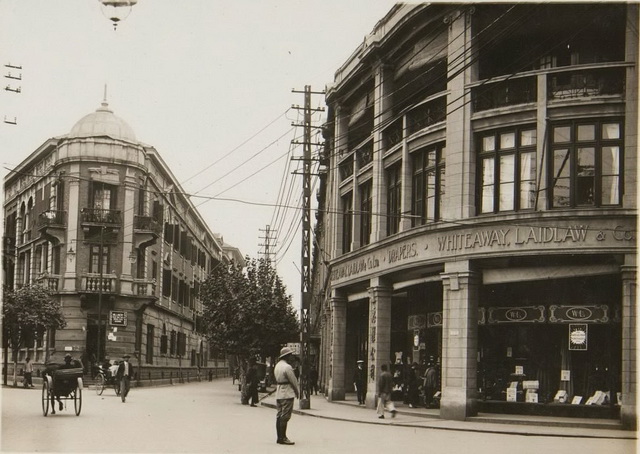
99, 219
479, 209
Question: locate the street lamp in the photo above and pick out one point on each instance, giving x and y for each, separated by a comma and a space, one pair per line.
116, 10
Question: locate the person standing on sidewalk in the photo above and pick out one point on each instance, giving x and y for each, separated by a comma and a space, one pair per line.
28, 372
360, 381
123, 375
385, 386
252, 383
287, 389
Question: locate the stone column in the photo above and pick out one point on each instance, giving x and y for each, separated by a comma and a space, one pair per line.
459, 341
407, 180
379, 335
628, 410
335, 203
336, 389
460, 194
73, 213
130, 186
382, 112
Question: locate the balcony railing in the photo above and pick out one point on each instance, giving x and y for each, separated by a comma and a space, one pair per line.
586, 83
427, 114
393, 134
101, 217
364, 154
502, 93
92, 283
49, 281
146, 223
346, 168
144, 287
52, 218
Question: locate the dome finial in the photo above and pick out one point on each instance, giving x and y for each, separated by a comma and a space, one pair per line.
104, 101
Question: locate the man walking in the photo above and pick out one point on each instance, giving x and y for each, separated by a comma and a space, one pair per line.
287, 389
385, 386
28, 373
123, 375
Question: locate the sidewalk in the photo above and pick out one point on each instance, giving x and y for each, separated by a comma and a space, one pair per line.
349, 410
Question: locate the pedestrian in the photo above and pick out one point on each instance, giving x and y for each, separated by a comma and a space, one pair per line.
252, 383
429, 384
287, 389
210, 375
28, 372
313, 380
385, 386
123, 375
413, 386
360, 381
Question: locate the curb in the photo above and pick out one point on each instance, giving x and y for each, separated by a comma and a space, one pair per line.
487, 426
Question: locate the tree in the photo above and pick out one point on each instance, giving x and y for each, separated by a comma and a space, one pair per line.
27, 312
247, 312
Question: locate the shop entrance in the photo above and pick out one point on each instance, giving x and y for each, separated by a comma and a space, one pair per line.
93, 356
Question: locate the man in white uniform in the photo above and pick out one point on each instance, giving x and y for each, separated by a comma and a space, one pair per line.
287, 390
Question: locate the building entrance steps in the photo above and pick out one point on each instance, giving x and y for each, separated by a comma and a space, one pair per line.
349, 410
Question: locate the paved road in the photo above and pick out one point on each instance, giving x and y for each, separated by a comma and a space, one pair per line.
208, 417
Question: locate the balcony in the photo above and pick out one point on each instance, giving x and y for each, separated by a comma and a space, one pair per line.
52, 225
503, 93
49, 281
146, 230
98, 217
581, 83
427, 114
92, 283
9, 246
144, 287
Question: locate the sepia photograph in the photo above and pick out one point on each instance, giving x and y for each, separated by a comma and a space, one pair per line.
330, 226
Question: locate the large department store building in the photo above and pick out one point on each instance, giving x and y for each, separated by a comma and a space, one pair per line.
97, 217
480, 208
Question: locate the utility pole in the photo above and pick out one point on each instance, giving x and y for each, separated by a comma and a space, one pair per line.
305, 301
12, 78
267, 242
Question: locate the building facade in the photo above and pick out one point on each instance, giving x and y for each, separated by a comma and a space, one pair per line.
97, 217
481, 207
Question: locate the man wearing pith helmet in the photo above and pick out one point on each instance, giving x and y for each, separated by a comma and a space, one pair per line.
287, 389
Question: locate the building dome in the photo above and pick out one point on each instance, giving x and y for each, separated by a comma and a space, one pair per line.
103, 122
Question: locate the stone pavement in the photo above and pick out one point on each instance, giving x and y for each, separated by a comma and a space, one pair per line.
349, 410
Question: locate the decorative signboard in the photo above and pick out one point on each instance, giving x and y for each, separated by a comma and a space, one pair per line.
579, 313
578, 336
520, 314
417, 322
117, 318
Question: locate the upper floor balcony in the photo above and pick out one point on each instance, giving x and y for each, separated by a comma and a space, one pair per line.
52, 224
562, 83
94, 283
146, 230
98, 217
49, 281
144, 287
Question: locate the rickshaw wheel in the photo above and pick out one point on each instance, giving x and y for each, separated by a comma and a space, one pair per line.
46, 396
100, 384
77, 397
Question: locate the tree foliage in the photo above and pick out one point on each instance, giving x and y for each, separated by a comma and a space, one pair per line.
28, 310
247, 311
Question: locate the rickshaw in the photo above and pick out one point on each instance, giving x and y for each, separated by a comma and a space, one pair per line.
104, 378
62, 382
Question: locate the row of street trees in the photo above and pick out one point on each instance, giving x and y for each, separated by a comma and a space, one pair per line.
247, 311
27, 312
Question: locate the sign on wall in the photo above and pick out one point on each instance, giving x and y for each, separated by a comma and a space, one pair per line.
117, 318
578, 336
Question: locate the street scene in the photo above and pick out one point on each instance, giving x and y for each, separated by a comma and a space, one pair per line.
333, 226
208, 417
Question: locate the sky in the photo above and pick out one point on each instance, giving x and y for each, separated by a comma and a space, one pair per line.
208, 83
